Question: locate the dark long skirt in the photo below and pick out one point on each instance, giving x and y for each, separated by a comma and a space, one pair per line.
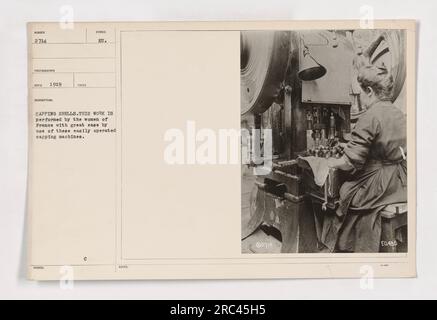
356, 226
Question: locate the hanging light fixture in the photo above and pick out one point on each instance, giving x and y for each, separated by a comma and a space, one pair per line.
310, 69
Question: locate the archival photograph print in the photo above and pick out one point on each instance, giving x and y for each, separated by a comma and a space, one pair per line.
325, 151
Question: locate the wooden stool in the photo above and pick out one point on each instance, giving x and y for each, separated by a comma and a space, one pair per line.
394, 228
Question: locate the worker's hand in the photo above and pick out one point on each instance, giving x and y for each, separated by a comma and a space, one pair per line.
340, 163
333, 162
342, 145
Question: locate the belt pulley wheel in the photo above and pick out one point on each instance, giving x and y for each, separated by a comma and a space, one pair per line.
264, 58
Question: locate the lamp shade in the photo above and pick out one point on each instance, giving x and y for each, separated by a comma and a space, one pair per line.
310, 69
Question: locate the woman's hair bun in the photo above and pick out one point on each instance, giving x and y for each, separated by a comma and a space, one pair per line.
382, 70
378, 78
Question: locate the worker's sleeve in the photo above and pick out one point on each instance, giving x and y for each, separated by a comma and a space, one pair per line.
357, 149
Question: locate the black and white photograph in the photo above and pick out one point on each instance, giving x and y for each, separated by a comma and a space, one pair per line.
218, 156
325, 113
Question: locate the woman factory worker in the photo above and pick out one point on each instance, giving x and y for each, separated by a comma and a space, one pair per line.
375, 156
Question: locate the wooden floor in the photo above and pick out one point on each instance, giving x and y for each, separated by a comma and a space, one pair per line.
259, 242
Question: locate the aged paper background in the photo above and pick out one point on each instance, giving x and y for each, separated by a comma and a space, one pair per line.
100, 205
